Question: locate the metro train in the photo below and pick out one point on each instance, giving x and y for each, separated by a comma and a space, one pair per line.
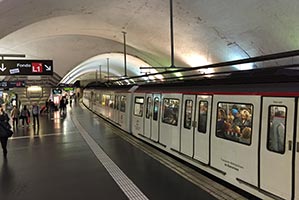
245, 134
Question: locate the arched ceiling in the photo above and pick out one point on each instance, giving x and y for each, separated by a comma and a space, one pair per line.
70, 32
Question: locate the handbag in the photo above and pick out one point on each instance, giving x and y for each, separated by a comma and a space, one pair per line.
5, 129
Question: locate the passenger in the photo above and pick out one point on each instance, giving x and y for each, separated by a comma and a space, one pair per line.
71, 101
221, 123
236, 130
277, 132
237, 117
25, 115
52, 106
35, 114
173, 119
14, 114
203, 117
245, 119
62, 105
4, 120
230, 117
47, 105
246, 135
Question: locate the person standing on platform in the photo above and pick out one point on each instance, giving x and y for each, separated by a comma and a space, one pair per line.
47, 105
51, 106
14, 114
71, 101
35, 114
25, 114
62, 106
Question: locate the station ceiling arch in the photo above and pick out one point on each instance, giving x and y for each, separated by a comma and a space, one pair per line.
72, 31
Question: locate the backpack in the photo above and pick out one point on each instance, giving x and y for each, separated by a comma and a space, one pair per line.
35, 110
24, 113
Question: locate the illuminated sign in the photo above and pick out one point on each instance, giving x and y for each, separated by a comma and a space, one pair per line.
26, 67
68, 89
12, 84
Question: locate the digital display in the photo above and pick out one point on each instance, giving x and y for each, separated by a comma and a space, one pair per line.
56, 91
68, 89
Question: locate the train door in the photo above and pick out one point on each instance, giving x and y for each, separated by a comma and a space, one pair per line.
202, 128
111, 107
155, 128
277, 145
187, 129
170, 121
297, 160
148, 116
116, 109
91, 100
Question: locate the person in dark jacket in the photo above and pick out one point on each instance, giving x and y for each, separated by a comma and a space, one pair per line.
25, 114
35, 114
3, 135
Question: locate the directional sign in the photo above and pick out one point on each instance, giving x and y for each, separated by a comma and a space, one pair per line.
12, 84
26, 67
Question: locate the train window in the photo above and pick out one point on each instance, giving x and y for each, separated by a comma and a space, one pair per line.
148, 107
202, 117
234, 122
111, 102
105, 100
170, 111
116, 102
97, 98
138, 106
156, 108
188, 114
276, 129
123, 100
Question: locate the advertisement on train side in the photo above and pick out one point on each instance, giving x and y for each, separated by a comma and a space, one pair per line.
26, 67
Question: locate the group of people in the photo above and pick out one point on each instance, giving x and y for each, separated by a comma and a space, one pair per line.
24, 115
234, 123
50, 106
15, 114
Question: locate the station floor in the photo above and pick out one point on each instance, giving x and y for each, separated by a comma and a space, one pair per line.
81, 156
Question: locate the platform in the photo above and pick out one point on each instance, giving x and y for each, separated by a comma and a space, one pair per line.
81, 156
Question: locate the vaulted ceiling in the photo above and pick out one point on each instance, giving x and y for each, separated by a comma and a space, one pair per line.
84, 33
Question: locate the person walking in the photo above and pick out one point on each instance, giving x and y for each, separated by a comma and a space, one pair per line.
62, 105
4, 125
35, 114
14, 114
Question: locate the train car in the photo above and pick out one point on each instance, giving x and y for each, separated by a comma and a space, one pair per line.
245, 134
113, 105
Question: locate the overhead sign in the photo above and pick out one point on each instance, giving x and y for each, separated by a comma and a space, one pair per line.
65, 85
12, 84
26, 67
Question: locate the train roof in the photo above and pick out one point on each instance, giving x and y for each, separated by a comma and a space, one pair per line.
264, 76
